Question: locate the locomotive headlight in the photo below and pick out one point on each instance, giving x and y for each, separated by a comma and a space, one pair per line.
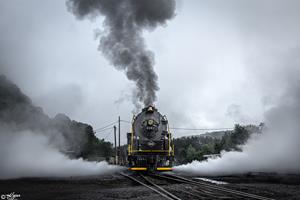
150, 122
167, 162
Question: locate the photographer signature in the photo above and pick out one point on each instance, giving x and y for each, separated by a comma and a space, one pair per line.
11, 196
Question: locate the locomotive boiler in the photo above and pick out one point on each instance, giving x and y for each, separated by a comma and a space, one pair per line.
150, 143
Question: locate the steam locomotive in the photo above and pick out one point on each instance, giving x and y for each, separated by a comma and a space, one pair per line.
150, 143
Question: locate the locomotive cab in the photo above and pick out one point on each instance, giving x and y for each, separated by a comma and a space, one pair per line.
150, 143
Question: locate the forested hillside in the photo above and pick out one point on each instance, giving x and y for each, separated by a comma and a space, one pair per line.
76, 139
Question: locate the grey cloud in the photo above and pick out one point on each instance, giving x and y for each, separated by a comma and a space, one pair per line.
235, 112
65, 99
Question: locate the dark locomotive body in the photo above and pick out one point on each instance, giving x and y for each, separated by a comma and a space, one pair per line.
150, 144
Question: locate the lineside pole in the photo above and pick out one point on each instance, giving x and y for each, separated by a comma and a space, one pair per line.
119, 129
116, 152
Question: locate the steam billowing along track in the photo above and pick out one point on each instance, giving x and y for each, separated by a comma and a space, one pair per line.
191, 189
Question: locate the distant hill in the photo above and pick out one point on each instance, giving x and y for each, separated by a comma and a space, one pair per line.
18, 113
214, 134
219, 134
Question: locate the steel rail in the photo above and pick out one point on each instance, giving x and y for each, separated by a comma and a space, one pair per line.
159, 187
151, 188
210, 193
236, 192
193, 194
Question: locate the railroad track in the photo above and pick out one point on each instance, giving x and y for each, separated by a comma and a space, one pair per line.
151, 185
191, 189
213, 190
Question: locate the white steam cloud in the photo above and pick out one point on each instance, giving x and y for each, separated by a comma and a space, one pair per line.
30, 154
275, 150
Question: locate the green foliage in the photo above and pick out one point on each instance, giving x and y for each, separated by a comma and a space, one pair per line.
239, 136
95, 147
192, 148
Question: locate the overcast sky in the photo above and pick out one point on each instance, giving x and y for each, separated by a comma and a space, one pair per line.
218, 62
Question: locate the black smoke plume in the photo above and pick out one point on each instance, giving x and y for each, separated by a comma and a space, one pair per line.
123, 43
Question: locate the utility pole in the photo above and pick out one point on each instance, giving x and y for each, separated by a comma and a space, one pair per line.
119, 129
116, 152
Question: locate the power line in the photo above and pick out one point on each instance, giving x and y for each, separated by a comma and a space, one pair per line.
199, 129
192, 129
99, 129
98, 132
108, 134
110, 126
125, 121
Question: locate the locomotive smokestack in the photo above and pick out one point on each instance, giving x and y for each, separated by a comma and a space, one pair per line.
123, 44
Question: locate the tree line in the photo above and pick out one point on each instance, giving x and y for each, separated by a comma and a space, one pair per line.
196, 147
